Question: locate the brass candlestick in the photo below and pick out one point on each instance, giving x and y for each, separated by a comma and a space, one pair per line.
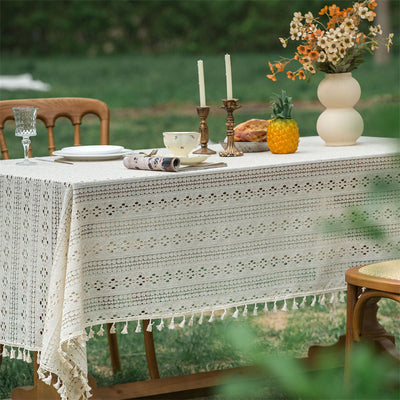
230, 151
203, 114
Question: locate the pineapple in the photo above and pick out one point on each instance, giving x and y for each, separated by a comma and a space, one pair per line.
283, 132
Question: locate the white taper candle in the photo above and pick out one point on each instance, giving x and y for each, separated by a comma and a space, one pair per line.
201, 83
228, 72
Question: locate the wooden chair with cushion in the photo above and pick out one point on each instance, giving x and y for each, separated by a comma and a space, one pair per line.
49, 110
366, 285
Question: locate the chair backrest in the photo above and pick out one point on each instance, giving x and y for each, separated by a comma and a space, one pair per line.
50, 109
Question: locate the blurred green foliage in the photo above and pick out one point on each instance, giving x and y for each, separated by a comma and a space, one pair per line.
95, 27
372, 376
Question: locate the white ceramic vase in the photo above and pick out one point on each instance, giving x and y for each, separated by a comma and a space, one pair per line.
340, 124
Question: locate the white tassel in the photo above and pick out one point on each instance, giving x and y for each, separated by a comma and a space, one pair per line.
223, 314
38, 356
63, 392
303, 303
284, 308
125, 330
266, 307
201, 318
171, 324
75, 372
113, 330
101, 331
12, 353
191, 320
47, 380
19, 356
322, 299
161, 325
57, 384
5, 352
245, 311
182, 323
314, 300
82, 339
333, 298
295, 305
150, 327
85, 336
255, 312
87, 387
341, 297
40, 374
91, 333
138, 327
275, 308
28, 357
212, 317
236, 313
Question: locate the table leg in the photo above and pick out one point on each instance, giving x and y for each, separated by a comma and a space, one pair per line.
150, 351
114, 352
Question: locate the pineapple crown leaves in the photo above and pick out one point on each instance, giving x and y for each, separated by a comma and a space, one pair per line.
282, 106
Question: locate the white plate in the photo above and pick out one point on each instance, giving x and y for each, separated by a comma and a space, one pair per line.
193, 159
91, 157
98, 150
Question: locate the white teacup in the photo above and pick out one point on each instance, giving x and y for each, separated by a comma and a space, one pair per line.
181, 143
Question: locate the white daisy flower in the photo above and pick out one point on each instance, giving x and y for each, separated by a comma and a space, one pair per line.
322, 57
309, 17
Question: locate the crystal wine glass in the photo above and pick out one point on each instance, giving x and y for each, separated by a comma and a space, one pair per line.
25, 126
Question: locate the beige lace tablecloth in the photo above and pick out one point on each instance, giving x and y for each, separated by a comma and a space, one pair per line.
94, 242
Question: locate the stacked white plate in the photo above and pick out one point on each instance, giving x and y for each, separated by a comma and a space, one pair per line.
92, 153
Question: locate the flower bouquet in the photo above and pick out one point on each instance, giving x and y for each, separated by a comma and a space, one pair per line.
337, 46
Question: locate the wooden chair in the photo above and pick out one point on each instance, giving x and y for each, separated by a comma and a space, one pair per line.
50, 109
366, 285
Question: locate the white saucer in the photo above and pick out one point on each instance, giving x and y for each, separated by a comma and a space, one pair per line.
193, 159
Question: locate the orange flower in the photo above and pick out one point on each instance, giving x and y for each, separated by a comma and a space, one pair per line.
271, 67
291, 75
301, 49
371, 17
323, 10
279, 66
272, 77
313, 54
372, 5
333, 10
301, 74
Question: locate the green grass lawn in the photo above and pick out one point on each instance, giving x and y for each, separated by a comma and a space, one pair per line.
149, 94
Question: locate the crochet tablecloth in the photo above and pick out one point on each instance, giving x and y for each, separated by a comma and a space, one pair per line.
94, 242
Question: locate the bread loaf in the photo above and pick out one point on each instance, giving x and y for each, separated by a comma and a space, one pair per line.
253, 130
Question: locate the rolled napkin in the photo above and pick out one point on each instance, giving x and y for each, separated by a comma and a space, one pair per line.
170, 164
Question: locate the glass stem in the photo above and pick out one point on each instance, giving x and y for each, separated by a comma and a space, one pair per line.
26, 142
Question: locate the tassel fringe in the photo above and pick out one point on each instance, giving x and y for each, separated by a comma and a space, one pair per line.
150, 327
125, 330
182, 323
